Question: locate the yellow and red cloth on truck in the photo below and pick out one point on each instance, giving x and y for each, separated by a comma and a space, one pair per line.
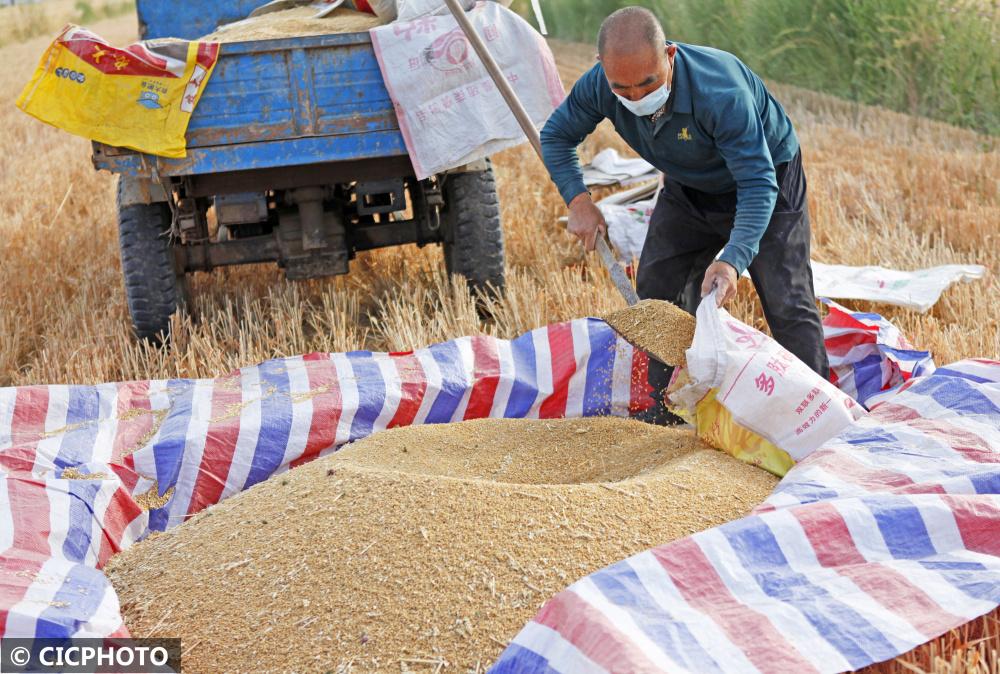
140, 97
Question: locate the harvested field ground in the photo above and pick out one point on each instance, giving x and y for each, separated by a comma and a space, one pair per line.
422, 545
885, 189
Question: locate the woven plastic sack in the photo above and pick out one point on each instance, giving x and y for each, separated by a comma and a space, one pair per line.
414, 9
715, 425
383, 9
764, 388
449, 110
140, 97
918, 290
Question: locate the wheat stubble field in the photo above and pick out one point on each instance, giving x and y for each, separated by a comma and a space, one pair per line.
885, 189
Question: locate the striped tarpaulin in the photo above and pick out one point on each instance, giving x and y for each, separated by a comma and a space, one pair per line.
877, 542
77, 462
884, 538
869, 356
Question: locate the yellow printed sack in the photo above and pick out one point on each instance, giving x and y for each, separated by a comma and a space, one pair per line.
716, 426
140, 97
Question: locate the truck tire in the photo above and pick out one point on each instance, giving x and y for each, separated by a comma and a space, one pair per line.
474, 245
152, 286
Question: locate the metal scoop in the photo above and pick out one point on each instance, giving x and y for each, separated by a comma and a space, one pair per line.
322, 8
618, 276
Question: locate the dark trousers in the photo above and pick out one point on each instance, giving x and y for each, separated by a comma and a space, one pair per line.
687, 230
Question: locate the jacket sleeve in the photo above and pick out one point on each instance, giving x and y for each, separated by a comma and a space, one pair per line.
575, 119
739, 136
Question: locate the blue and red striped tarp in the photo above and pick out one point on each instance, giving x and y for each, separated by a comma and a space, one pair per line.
884, 538
76, 462
869, 356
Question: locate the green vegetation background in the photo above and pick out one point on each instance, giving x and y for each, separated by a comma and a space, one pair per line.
25, 20
936, 58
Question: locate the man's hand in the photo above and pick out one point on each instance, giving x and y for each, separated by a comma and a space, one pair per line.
586, 220
722, 276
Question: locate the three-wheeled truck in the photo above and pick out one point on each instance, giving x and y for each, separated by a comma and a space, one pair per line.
296, 147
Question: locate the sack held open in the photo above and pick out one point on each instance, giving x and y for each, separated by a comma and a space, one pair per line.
764, 389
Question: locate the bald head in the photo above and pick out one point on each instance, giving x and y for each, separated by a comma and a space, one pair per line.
632, 50
629, 30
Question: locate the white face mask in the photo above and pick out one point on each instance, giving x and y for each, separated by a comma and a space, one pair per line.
652, 101
649, 103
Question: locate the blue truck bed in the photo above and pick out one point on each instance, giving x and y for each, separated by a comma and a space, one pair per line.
294, 156
270, 103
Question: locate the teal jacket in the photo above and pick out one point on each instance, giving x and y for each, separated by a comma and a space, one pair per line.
722, 131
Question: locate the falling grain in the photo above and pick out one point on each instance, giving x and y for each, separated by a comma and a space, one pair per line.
660, 328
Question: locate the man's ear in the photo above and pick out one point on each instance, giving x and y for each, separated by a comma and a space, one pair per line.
598, 56
671, 49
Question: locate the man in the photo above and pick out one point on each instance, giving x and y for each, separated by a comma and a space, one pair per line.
733, 178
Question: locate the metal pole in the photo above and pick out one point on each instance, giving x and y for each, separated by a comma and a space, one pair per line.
618, 275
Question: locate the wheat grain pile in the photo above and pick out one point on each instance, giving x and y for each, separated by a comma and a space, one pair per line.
297, 21
423, 545
660, 328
